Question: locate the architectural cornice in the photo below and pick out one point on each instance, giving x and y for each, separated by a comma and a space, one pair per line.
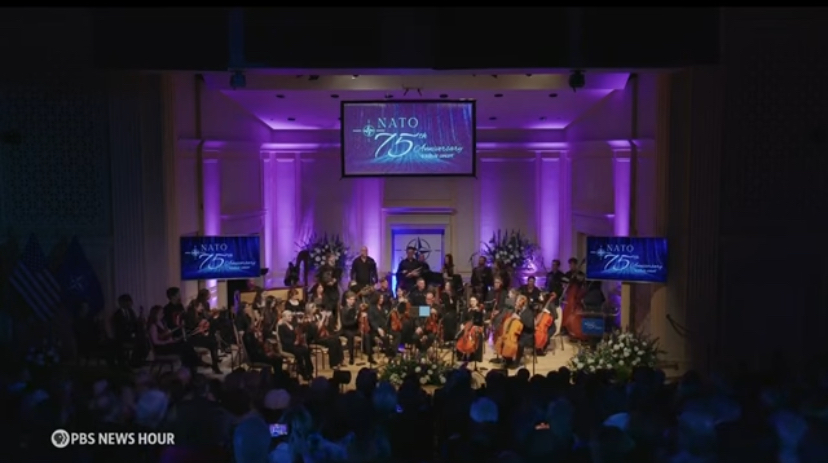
241, 215
414, 210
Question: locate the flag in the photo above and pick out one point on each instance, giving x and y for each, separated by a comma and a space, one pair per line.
78, 281
8, 257
35, 283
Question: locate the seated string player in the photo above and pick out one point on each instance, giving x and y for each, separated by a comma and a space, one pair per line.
423, 339
200, 329
165, 341
322, 332
293, 342
350, 323
378, 322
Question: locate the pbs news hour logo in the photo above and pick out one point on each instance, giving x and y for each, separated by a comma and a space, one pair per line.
62, 438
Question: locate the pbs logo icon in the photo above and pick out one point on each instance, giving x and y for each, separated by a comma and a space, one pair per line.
60, 438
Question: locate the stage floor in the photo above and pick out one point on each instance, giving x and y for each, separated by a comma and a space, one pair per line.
553, 360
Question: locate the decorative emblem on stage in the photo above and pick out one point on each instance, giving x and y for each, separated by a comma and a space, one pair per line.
423, 248
369, 130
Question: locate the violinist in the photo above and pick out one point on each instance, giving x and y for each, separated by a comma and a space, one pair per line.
378, 319
322, 332
449, 302
400, 319
174, 310
423, 339
164, 342
259, 349
198, 322
496, 299
291, 341
270, 317
294, 304
481, 278
350, 323
385, 291
474, 322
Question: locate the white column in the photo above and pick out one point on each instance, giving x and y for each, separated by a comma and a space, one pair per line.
622, 190
566, 247
269, 194
285, 174
548, 194
370, 198
211, 171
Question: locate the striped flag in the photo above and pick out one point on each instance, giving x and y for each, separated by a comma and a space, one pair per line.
35, 283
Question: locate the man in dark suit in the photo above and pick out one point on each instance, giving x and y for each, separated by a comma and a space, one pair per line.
417, 296
363, 271
482, 279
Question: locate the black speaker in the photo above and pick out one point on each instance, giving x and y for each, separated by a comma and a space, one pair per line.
341, 377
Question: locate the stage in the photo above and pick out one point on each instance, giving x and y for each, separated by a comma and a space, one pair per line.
553, 360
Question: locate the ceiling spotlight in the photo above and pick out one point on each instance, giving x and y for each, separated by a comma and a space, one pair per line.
553, 95
354, 76
291, 119
334, 96
312, 78
498, 95
280, 96
492, 118
577, 80
388, 96
443, 95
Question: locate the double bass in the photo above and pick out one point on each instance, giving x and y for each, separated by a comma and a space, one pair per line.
543, 322
573, 308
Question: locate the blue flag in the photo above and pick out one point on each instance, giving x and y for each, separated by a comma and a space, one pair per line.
78, 281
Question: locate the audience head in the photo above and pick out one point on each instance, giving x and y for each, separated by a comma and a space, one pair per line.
384, 399
174, 295
251, 440
151, 409
125, 301
483, 410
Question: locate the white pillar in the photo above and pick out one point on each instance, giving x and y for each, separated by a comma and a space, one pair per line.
269, 194
566, 247
285, 201
622, 191
548, 194
211, 171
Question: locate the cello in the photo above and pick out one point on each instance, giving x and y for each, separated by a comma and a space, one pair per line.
543, 323
573, 309
507, 345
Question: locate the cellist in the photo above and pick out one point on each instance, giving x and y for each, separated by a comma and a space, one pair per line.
473, 330
519, 315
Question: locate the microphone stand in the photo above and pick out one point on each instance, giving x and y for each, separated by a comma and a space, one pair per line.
534, 350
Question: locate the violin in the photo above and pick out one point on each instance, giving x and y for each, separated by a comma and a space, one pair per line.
434, 325
397, 319
364, 325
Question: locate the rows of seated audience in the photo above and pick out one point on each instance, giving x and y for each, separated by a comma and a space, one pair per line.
559, 417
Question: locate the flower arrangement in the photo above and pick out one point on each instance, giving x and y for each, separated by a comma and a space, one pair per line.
512, 248
621, 352
431, 372
320, 247
46, 356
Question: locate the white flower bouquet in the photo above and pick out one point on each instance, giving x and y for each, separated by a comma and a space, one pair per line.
510, 247
621, 352
430, 372
319, 247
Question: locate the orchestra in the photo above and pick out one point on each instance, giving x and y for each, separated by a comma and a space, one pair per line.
460, 318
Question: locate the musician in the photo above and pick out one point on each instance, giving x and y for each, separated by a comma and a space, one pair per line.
527, 336
363, 271
391, 338
174, 310
270, 317
387, 298
422, 338
449, 275
378, 323
164, 342
401, 308
291, 342
329, 276
294, 304
317, 297
475, 315
129, 338
500, 269
258, 301
323, 332
505, 311
259, 350
531, 291
574, 273
449, 302
496, 297
408, 271
199, 323
482, 278
244, 319
350, 323
417, 296
594, 297
554, 279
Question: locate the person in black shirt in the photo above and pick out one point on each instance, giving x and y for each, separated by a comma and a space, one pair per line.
350, 323
474, 321
417, 296
323, 333
449, 302
531, 291
482, 278
291, 344
422, 338
449, 276
385, 292
554, 279
497, 297
574, 272
198, 313
363, 271
129, 338
379, 322
408, 271
330, 276
174, 309
256, 353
